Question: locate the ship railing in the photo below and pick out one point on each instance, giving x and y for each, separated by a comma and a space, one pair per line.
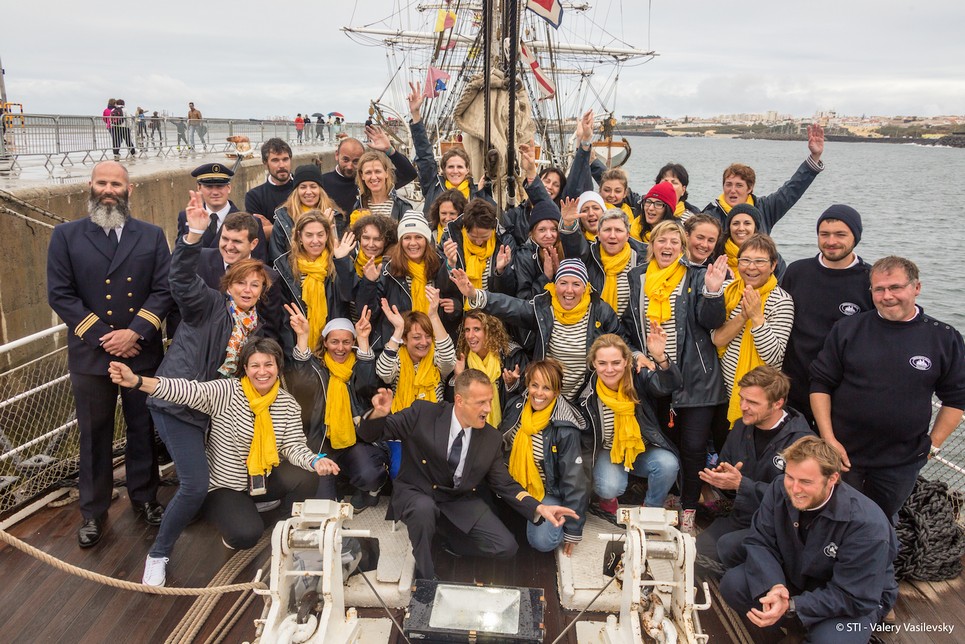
65, 140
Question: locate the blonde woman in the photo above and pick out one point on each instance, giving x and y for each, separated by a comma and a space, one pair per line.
307, 194
375, 179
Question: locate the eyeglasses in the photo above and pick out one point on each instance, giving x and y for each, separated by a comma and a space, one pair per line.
894, 288
653, 203
760, 262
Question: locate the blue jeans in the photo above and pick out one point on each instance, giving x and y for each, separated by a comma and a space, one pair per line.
185, 442
658, 465
545, 537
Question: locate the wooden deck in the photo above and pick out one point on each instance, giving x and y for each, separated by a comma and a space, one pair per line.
41, 604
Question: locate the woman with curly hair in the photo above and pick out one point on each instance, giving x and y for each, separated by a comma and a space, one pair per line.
484, 345
360, 252
447, 207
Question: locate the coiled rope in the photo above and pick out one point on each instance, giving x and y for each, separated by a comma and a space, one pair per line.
932, 542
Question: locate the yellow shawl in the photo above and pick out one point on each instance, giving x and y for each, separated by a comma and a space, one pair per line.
313, 294
613, 266
361, 259
492, 366
338, 405
476, 258
659, 285
263, 454
726, 207
417, 291
462, 187
522, 463
627, 439
416, 385
749, 358
732, 249
575, 314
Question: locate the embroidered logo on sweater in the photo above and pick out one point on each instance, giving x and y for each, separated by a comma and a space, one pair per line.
831, 550
849, 308
779, 462
922, 363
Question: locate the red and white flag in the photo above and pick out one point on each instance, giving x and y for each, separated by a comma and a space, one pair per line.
546, 86
436, 81
549, 10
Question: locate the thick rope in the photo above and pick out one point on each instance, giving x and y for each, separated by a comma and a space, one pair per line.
83, 573
932, 542
9, 196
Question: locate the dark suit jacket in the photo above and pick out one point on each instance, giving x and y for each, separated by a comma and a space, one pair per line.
211, 269
96, 290
423, 429
209, 240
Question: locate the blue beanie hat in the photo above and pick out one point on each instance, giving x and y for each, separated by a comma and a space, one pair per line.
543, 211
848, 215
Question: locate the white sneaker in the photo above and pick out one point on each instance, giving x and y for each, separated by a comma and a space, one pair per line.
687, 518
155, 569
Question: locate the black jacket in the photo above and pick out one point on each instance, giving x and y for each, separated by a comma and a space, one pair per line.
563, 473
649, 385
505, 283
695, 317
292, 292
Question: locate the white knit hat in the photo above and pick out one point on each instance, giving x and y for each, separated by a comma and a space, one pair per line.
414, 221
587, 197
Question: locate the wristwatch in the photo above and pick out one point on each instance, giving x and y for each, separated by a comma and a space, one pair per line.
934, 451
791, 609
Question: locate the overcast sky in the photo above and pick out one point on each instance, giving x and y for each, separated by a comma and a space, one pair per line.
258, 59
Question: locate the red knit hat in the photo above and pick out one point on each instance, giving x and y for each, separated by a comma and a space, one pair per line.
664, 191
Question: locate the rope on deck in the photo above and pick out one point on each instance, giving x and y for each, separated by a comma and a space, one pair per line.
190, 625
121, 584
931, 541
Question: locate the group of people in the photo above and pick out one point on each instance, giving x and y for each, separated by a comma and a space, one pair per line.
305, 133
333, 341
118, 124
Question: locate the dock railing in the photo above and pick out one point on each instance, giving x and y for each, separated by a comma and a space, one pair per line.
62, 140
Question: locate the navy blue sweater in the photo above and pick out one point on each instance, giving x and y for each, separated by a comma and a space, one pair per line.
881, 376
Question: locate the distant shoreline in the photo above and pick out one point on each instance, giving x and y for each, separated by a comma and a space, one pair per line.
951, 140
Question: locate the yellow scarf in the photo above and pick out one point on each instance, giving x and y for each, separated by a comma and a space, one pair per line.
338, 405
590, 237
726, 207
476, 258
731, 249
361, 259
462, 187
659, 285
627, 440
575, 314
440, 229
492, 366
522, 463
356, 215
416, 385
313, 294
680, 209
417, 291
749, 358
263, 454
613, 266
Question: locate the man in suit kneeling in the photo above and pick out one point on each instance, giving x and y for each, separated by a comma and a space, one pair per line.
448, 449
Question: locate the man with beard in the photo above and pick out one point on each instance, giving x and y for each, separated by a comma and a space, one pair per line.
819, 555
832, 285
214, 184
262, 200
339, 184
107, 278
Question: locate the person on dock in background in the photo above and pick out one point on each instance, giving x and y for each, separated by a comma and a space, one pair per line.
155, 127
329, 123
751, 456
686, 301
333, 385
832, 285
107, 279
452, 171
111, 102
819, 556
435, 489
214, 186
872, 386
299, 126
738, 187
618, 404
255, 448
541, 442
320, 128
141, 126
703, 231
340, 183
609, 258
262, 200
677, 176
759, 318
182, 128
120, 131
194, 125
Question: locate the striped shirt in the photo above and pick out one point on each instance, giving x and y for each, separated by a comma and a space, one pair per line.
383, 209
670, 326
387, 365
623, 288
568, 345
233, 427
770, 339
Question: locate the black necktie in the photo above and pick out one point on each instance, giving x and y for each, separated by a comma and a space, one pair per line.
455, 452
213, 226
112, 238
